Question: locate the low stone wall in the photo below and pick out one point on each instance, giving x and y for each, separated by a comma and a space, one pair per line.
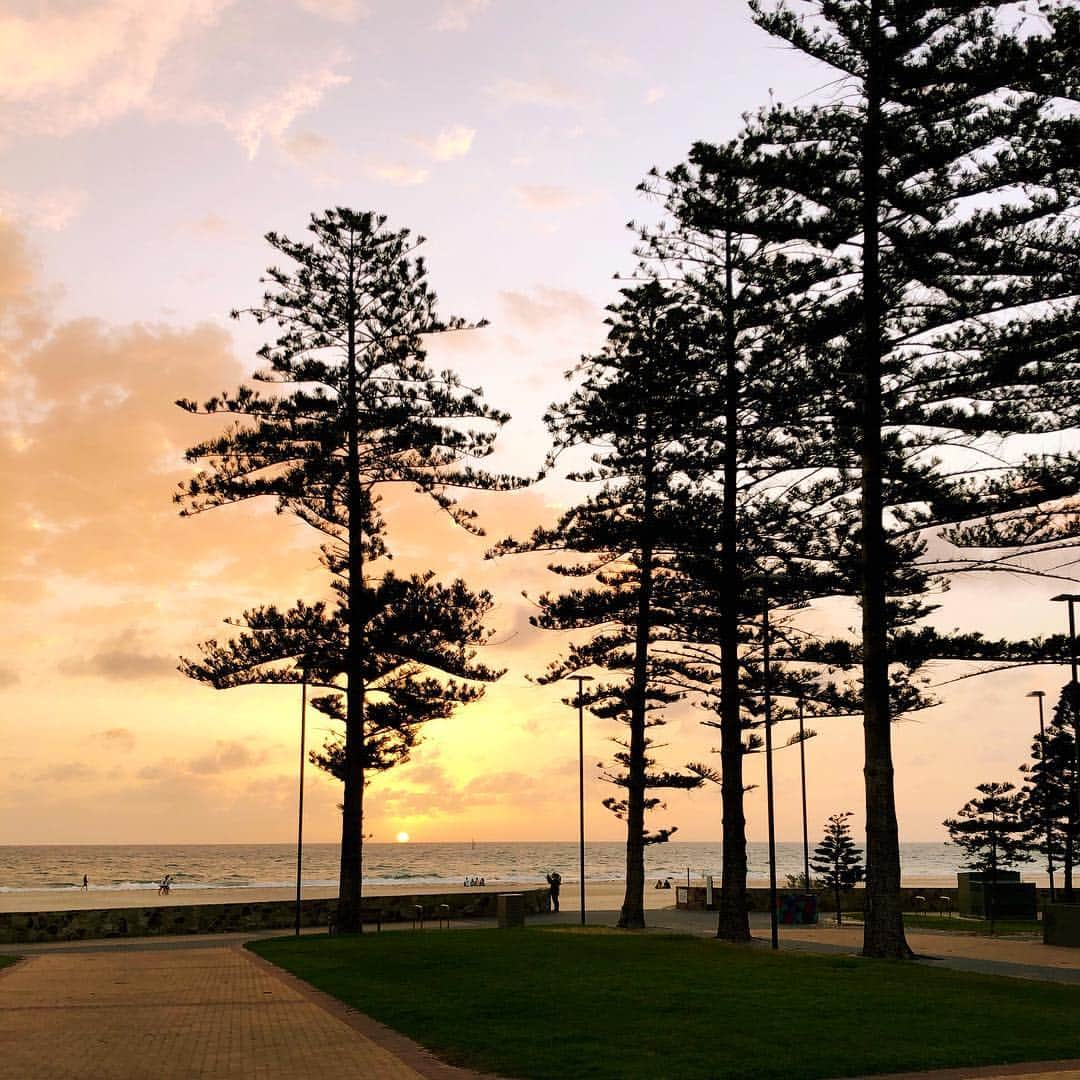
757, 899
17, 927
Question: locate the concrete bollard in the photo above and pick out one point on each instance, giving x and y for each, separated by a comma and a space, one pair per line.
511, 909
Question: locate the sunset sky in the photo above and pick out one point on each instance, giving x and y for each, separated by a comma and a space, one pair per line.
144, 150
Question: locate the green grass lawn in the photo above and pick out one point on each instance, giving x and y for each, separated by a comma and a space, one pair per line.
558, 1003
5, 960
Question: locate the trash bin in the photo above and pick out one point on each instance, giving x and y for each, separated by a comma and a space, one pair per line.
798, 909
511, 910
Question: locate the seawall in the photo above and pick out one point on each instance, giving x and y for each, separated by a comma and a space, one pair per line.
20, 927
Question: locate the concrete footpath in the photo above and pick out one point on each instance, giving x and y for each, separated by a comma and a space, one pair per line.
216, 1012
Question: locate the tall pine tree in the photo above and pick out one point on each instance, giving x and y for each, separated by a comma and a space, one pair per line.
635, 412
937, 187
362, 412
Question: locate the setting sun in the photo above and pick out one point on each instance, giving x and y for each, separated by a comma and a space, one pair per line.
402, 837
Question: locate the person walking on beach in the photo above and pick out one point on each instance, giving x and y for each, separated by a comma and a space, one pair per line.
85, 883
554, 880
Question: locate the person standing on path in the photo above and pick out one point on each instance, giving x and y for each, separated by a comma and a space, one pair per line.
554, 880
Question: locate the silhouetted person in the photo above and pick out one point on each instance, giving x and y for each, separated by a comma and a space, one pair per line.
554, 880
667, 883
85, 883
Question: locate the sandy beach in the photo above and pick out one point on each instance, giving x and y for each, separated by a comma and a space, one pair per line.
599, 895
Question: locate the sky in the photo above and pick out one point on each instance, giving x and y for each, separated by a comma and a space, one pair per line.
145, 149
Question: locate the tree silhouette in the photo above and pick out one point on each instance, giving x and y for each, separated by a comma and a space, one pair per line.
991, 831
937, 194
837, 861
1050, 790
364, 413
724, 240
635, 410
419, 661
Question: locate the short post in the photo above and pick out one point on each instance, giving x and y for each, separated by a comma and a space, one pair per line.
418, 916
511, 910
444, 915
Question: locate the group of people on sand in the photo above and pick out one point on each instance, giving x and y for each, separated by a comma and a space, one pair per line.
164, 885
474, 882
665, 884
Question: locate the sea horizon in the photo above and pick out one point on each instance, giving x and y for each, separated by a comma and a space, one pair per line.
232, 865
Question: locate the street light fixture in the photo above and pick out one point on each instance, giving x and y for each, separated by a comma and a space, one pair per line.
1040, 694
1070, 599
581, 680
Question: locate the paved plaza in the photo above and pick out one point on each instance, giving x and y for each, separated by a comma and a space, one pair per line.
202, 1008
164, 1013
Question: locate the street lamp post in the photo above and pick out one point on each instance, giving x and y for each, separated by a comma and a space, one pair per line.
1040, 694
802, 775
1070, 599
767, 693
300, 808
1074, 706
581, 680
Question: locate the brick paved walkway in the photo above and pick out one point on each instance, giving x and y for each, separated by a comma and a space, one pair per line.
177, 1013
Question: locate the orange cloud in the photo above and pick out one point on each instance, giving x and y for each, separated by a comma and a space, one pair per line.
123, 658
66, 67
398, 173
452, 142
549, 197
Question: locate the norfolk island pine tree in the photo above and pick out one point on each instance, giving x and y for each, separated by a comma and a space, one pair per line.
837, 860
724, 241
992, 832
910, 68
633, 410
352, 308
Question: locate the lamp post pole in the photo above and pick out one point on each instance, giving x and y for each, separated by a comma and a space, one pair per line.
1074, 708
1040, 694
581, 680
774, 924
802, 772
300, 808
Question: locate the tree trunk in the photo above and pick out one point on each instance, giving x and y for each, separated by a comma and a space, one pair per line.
1068, 868
839, 917
733, 922
350, 886
632, 915
884, 927
993, 879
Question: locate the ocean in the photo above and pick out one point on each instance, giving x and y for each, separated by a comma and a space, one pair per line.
237, 866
